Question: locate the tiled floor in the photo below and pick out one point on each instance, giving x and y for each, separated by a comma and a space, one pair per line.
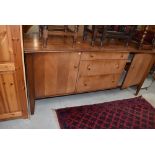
45, 116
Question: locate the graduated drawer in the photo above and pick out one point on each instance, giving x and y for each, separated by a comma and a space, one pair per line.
92, 83
103, 55
101, 67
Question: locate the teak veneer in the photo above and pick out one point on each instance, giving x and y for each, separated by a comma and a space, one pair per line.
61, 69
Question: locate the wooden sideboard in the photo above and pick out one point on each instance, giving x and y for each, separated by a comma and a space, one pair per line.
61, 69
13, 101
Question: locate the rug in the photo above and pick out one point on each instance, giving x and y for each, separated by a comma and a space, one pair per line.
135, 113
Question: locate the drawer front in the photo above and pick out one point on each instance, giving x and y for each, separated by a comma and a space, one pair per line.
101, 67
92, 83
102, 55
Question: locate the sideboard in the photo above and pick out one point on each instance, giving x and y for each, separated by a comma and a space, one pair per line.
60, 69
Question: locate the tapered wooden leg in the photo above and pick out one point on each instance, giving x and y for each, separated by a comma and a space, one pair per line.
127, 42
138, 90
154, 76
30, 81
85, 33
40, 31
94, 33
102, 39
45, 36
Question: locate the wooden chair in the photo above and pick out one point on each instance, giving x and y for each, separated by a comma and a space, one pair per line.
154, 71
25, 28
57, 30
94, 31
124, 32
145, 38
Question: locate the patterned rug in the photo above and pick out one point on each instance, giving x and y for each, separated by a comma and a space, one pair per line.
135, 113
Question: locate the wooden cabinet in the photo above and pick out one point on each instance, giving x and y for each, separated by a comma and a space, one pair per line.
139, 69
99, 71
55, 73
59, 69
13, 101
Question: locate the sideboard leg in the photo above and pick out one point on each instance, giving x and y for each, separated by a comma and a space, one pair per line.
30, 81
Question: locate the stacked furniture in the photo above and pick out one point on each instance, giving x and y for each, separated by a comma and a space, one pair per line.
123, 32
13, 101
57, 30
145, 37
62, 70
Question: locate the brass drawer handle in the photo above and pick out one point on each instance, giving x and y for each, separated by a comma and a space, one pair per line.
117, 66
75, 67
11, 84
85, 84
88, 67
122, 56
91, 56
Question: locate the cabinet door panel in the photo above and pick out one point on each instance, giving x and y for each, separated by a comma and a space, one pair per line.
13, 101
139, 67
55, 73
8, 97
6, 53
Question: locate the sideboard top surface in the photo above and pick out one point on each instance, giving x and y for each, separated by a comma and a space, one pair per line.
33, 44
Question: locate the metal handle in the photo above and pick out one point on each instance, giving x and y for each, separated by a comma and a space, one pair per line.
91, 56
117, 66
88, 67
75, 66
85, 84
122, 56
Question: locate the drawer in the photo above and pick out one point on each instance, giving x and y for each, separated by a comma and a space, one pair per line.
92, 83
101, 67
103, 55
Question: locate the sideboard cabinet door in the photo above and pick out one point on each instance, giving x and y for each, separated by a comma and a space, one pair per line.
139, 69
54, 73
